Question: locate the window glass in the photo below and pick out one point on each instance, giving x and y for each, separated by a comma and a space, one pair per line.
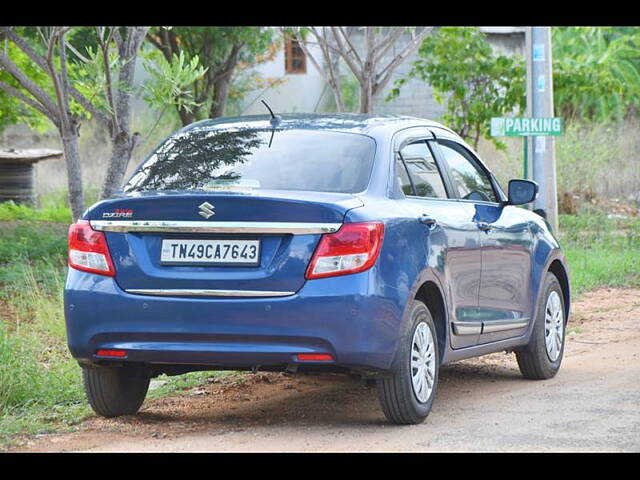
402, 178
295, 60
423, 170
294, 159
468, 179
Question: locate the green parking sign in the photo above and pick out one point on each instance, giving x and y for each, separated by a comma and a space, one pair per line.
526, 126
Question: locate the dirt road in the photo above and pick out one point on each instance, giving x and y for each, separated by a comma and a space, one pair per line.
483, 404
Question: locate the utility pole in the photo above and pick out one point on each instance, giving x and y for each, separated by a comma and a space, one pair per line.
541, 149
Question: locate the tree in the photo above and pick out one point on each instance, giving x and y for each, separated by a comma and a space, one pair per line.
220, 50
372, 66
52, 100
596, 71
12, 109
116, 117
475, 83
97, 83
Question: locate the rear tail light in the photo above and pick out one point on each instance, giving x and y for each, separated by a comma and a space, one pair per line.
354, 248
88, 250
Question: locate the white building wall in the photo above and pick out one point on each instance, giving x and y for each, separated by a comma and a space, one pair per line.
300, 92
308, 92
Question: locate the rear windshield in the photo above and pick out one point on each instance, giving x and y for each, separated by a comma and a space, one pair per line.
208, 159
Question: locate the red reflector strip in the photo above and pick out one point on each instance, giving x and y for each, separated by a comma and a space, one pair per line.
111, 353
314, 357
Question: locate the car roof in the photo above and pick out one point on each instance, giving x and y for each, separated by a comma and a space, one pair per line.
340, 122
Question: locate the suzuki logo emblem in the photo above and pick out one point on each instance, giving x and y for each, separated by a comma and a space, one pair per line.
207, 210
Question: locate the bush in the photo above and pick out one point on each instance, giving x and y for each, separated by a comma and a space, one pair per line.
52, 213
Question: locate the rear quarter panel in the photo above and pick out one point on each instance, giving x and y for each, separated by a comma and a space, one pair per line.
408, 259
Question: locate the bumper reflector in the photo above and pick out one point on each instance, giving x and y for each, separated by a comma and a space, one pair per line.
111, 353
314, 357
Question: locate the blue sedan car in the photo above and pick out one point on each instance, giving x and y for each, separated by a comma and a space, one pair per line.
376, 246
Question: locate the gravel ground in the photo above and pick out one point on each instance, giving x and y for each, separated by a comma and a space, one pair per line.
483, 404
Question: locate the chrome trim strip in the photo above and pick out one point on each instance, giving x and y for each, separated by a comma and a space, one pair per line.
295, 228
192, 292
467, 328
501, 325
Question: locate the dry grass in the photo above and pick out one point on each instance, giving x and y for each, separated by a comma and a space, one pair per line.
592, 160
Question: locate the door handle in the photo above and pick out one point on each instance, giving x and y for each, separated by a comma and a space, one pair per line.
428, 221
484, 226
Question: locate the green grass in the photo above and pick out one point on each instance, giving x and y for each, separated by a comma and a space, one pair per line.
601, 251
40, 384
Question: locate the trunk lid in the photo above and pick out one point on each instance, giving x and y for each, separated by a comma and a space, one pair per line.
287, 224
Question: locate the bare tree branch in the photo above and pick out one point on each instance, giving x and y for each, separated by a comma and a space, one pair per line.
64, 75
104, 48
386, 43
411, 46
42, 63
365, 65
356, 69
352, 49
63, 106
76, 52
329, 75
29, 85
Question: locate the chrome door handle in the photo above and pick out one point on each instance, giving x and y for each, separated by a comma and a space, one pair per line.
427, 220
484, 226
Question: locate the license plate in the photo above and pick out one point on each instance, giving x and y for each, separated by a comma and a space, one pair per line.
210, 252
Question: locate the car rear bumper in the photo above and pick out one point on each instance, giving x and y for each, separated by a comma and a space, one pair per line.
344, 316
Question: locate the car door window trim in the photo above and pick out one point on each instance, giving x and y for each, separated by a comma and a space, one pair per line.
425, 135
474, 161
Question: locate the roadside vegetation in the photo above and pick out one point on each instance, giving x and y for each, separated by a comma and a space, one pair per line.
40, 384
602, 248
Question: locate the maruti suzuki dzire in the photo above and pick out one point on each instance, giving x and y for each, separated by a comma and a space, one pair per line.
376, 246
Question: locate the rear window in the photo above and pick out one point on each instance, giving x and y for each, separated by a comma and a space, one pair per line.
208, 159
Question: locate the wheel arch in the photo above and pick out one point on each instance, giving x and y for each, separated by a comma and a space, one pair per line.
559, 270
429, 293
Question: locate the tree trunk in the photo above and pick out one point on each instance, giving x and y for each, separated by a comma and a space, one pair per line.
187, 118
122, 141
220, 94
366, 99
74, 172
121, 150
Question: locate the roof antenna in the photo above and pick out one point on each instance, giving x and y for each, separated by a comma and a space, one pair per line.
274, 121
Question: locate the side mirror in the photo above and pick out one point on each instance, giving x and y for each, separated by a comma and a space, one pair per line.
522, 191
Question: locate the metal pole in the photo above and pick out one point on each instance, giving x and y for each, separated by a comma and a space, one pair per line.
525, 148
543, 158
529, 88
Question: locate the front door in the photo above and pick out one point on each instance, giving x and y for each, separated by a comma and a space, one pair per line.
503, 300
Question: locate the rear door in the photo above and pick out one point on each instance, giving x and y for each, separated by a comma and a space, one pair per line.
449, 232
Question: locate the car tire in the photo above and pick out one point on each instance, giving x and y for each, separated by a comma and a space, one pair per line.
540, 359
115, 391
396, 392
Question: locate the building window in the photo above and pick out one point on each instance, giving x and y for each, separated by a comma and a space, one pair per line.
295, 61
